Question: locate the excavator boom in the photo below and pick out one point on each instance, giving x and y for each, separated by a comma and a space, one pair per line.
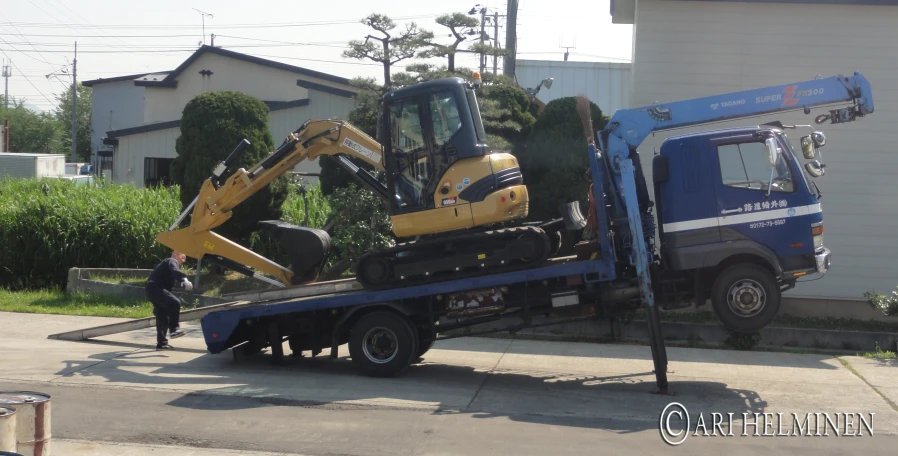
215, 202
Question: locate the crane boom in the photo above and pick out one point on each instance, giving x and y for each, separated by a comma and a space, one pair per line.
632, 126
628, 128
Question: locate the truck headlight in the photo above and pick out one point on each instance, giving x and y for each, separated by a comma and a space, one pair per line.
817, 233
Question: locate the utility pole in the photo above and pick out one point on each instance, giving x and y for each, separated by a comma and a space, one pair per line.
482, 23
6, 74
496, 37
75, 105
511, 38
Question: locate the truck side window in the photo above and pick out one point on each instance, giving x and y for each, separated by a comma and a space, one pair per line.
746, 165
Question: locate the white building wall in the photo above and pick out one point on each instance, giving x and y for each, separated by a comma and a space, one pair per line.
607, 84
687, 49
114, 106
266, 83
321, 106
127, 167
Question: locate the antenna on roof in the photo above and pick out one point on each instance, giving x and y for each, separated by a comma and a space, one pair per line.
203, 14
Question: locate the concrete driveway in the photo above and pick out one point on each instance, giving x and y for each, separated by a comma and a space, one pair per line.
465, 398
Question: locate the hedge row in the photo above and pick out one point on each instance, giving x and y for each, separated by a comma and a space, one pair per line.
50, 225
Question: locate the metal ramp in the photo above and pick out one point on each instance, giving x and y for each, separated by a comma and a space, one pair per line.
239, 299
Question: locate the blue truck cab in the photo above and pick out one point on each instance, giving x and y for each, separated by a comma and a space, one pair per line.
739, 216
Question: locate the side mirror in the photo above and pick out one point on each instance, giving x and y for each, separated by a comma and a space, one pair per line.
814, 168
808, 149
819, 138
771, 150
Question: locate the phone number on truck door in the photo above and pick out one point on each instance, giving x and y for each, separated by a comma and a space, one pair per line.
767, 223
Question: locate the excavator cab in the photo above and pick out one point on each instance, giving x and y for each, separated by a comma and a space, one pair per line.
441, 173
431, 125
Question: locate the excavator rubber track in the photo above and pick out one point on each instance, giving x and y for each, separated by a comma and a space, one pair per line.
454, 257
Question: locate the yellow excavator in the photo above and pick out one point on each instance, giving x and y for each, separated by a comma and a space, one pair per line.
446, 189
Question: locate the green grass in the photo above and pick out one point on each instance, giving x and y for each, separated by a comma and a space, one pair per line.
48, 226
881, 354
57, 302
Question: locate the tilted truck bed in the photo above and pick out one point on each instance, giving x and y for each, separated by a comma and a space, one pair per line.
219, 325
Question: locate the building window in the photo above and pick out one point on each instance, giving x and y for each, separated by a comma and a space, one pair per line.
156, 172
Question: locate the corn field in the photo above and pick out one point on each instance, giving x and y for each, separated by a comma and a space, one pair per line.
48, 226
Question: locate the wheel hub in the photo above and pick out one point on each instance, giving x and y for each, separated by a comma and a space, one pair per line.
746, 298
380, 345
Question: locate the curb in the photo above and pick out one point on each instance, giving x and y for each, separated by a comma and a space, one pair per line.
698, 334
79, 281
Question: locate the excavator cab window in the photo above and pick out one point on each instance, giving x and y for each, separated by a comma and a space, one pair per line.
409, 149
423, 130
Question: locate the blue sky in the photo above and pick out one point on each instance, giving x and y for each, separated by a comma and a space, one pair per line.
121, 37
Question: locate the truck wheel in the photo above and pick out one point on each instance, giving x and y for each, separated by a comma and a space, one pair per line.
381, 344
745, 298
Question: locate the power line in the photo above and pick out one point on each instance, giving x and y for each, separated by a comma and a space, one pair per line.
190, 26
100, 36
23, 37
192, 47
26, 78
82, 17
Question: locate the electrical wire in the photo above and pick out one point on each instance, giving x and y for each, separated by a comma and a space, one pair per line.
29, 80
23, 37
191, 26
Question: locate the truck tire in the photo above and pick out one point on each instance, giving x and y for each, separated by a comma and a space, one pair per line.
426, 339
382, 344
745, 298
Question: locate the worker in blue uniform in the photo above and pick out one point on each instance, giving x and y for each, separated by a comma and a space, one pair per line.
167, 306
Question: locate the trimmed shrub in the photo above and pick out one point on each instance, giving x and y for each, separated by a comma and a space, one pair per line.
212, 124
555, 161
50, 225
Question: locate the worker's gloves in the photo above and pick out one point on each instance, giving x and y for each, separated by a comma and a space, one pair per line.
186, 284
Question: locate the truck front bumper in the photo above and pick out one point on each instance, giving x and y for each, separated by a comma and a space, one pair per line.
823, 258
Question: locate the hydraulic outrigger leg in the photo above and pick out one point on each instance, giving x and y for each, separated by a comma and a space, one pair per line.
641, 260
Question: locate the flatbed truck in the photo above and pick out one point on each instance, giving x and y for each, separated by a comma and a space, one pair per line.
740, 241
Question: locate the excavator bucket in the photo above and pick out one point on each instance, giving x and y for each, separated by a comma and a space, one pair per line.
307, 248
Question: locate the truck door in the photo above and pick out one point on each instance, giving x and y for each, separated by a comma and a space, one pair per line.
748, 217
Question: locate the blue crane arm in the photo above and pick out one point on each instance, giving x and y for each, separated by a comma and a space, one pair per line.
632, 126
626, 189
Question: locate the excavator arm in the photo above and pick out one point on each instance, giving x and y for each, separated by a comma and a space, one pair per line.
214, 204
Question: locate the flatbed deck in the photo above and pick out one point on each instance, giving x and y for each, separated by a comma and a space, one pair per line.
217, 325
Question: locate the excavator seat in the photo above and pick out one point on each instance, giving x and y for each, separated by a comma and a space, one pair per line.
307, 248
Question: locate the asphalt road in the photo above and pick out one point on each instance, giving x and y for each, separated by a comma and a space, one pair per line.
251, 424
469, 397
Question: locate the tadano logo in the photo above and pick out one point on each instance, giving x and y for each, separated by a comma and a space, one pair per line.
727, 104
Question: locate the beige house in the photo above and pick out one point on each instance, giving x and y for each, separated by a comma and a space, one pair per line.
136, 118
686, 49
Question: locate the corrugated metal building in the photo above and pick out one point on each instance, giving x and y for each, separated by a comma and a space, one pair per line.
136, 118
607, 84
685, 49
